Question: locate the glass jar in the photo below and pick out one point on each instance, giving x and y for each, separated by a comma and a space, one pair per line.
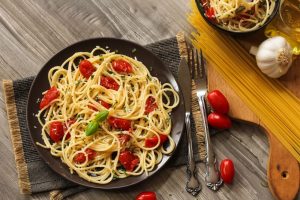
287, 24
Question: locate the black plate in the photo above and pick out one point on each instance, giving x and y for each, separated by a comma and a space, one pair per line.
216, 26
41, 84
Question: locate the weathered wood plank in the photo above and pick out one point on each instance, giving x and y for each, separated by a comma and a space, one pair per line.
32, 31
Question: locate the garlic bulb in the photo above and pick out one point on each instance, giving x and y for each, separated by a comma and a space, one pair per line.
273, 56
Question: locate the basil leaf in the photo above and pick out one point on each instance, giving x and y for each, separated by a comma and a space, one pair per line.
101, 116
240, 9
91, 128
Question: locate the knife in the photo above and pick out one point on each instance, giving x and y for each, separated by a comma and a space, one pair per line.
193, 185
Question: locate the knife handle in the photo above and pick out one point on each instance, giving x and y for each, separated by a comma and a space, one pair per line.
212, 176
193, 185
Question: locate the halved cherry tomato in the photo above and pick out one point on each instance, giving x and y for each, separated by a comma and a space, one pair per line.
49, 96
80, 157
56, 131
218, 102
122, 66
152, 141
219, 121
103, 103
210, 13
147, 195
227, 170
128, 160
150, 105
67, 125
119, 123
86, 68
124, 138
109, 83
91, 153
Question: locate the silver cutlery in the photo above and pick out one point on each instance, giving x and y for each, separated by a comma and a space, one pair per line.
212, 176
193, 185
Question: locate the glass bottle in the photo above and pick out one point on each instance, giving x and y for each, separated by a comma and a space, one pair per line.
287, 24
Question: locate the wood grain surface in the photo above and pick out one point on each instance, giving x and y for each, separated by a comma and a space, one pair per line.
32, 31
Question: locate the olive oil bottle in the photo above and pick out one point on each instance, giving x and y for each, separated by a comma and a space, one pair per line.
287, 24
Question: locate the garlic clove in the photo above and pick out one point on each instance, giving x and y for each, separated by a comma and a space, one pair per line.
265, 55
274, 56
278, 72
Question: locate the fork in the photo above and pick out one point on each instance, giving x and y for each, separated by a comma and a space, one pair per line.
196, 61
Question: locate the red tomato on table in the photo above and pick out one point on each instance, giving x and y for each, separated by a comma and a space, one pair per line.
86, 68
109, 83
150, 105
119, 123
122, 66
152, 141
218, 102
147, 195
128, 160
56, 131
219, 121
227, 170
49, 96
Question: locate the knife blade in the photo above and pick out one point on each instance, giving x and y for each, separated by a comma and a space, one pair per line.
193, 185
185, 81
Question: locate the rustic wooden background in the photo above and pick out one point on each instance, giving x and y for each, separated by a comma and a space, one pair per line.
33, 31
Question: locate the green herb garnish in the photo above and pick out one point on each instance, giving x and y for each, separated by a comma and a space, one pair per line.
240, 9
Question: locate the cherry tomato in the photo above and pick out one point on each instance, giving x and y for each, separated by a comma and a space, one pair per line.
147, 195
151, 142
103, 103
128, 160
124, 138
49, 96
119, 123
218, 102
91, 153
227, 170
80, 157
86, 68
150, 105
219, 121
109, 83
67, 125
210, 13
122, 66
56, 131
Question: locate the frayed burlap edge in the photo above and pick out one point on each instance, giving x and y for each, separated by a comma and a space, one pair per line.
56, 195
11, 109
183, 50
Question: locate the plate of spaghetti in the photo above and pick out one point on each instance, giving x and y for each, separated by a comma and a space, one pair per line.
238, 16
105, 113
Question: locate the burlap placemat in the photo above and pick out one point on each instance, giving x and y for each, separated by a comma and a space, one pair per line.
36, 176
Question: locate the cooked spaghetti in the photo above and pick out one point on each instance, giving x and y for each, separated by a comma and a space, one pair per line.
106, 117
238, 15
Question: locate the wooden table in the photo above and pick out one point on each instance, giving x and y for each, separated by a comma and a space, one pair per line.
33, 31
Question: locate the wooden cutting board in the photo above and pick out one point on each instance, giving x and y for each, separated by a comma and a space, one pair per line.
283, 168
